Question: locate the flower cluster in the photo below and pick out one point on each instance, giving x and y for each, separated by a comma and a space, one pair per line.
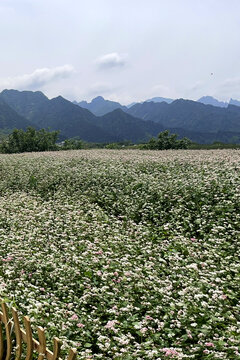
125, 254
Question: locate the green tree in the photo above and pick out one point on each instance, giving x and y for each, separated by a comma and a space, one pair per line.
72, 144
166, 141
30, 140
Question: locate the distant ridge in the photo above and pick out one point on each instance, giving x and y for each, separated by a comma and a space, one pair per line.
201, 123
160, 99
190, 115
234, 102
209, 100
99, 106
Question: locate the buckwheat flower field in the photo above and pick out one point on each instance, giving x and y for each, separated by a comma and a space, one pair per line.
125, 254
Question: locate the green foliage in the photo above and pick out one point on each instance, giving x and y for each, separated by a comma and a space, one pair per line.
28, 141
214, 145
119, 145
113, 146
166, 141
72, 144
4, 134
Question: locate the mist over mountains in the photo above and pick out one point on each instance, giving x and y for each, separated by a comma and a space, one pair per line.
108, 121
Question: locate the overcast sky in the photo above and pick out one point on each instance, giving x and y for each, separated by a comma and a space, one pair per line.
124, 50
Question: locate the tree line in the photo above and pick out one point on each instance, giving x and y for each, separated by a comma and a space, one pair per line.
33, 140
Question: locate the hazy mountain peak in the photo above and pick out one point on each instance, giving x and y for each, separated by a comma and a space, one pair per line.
99, 106
98, 99
160, 99
24, 93
59, 98
210, 100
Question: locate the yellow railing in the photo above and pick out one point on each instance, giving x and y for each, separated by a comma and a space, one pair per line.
13, 338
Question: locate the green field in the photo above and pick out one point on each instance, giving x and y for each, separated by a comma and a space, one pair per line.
125, 254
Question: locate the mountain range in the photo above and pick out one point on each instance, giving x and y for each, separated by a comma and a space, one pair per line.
114, 122
72, 120
99, 106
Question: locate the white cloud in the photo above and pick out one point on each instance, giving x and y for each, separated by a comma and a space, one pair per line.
112, 60
38, 78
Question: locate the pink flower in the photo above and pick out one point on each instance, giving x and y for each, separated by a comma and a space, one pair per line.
209, 344
143, 330
99, 252
80, 325
193, 239
170, 352
74, 317
223, 296
111, 325
9, 258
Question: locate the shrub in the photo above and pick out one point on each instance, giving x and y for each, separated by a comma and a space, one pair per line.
166, 141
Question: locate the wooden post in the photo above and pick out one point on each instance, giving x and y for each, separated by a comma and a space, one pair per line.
18, 334
8, 331
25, 336
29, 338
